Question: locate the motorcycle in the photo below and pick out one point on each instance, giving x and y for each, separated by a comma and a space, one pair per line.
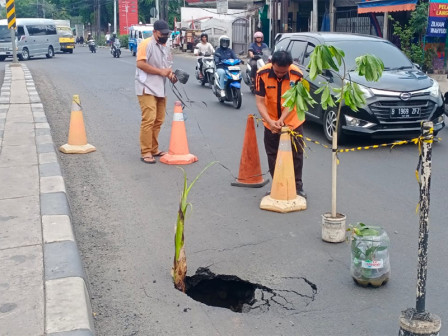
262, 60
92, 46
208, 69
115, 49
232, 83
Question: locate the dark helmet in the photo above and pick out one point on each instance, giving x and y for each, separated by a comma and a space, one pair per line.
204, 34
114, 34
224, 41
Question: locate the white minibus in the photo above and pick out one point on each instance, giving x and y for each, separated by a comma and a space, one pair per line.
35, 37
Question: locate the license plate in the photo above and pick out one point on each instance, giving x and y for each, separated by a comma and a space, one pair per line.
234, 68
405, 112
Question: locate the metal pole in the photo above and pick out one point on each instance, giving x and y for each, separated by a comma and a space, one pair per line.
14, 47
315, 12
386, 25
270, 24
157, 9
418, 322
98, 26
425, 184
115, 16
332, 16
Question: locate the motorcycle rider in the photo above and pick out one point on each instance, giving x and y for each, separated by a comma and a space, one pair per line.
255, 51
112, 40
221, 54
204, 47
89, 40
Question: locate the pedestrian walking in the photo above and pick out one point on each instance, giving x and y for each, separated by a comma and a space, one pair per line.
272, 81
154, 62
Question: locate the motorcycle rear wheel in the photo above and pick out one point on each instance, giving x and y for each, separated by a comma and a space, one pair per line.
236, 98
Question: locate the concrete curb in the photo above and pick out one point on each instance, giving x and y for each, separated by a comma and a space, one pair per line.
67, 301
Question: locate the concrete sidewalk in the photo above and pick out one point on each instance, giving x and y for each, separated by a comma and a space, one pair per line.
42, 282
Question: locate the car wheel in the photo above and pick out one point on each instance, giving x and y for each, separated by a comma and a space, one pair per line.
329, 126
2, 58
70, 51
50, 52
25, 55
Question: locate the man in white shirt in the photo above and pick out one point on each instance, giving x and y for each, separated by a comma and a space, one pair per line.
204, 47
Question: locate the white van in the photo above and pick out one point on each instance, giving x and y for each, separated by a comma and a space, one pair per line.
35, 37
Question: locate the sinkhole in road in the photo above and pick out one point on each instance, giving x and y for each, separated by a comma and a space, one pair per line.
225, 291
241, 296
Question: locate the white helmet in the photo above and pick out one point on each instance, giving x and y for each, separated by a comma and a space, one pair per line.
224, 41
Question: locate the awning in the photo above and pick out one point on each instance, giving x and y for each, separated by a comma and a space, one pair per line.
382, 6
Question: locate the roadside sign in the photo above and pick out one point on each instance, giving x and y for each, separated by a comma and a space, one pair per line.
222, 6
11, 17
11, 14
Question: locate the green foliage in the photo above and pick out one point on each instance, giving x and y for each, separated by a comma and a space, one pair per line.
183, 206
299, 97
357, 236
415, 30
369, 66
124, 41
327, 57
322, 58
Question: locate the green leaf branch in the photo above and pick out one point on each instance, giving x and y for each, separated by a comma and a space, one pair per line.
179, 270
328, 60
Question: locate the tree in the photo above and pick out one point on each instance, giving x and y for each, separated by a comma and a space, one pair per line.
412, 36
329, 58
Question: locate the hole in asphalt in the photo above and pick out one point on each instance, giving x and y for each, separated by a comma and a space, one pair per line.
241, 296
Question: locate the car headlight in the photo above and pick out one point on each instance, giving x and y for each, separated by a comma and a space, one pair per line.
352, 121
434, 90
367, 92
440, 119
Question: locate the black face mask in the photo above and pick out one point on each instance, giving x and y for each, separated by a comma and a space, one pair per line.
162, 39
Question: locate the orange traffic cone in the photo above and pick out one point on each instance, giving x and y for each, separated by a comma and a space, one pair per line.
250, 168
77, 139
178, 152
283, 197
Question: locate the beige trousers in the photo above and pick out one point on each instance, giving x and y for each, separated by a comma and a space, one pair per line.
153, 114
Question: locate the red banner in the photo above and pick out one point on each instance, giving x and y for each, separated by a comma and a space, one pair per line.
437, 9
127, 14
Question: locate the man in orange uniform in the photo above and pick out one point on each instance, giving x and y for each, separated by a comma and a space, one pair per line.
272, 81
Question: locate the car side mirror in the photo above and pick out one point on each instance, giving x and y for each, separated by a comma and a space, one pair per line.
417, 66
445, 98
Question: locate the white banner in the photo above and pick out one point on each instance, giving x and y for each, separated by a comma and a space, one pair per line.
222, 6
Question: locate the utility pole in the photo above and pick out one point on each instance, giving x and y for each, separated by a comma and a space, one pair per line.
115, 16
284, 16
314, 20
98, 24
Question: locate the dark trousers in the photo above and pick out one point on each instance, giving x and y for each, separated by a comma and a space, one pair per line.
271, 142
253, 68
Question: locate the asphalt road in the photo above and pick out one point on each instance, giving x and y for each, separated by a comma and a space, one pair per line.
124, 212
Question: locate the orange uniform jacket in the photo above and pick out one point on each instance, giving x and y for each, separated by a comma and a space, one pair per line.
271, 88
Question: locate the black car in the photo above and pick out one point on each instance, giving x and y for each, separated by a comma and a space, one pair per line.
396, 104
